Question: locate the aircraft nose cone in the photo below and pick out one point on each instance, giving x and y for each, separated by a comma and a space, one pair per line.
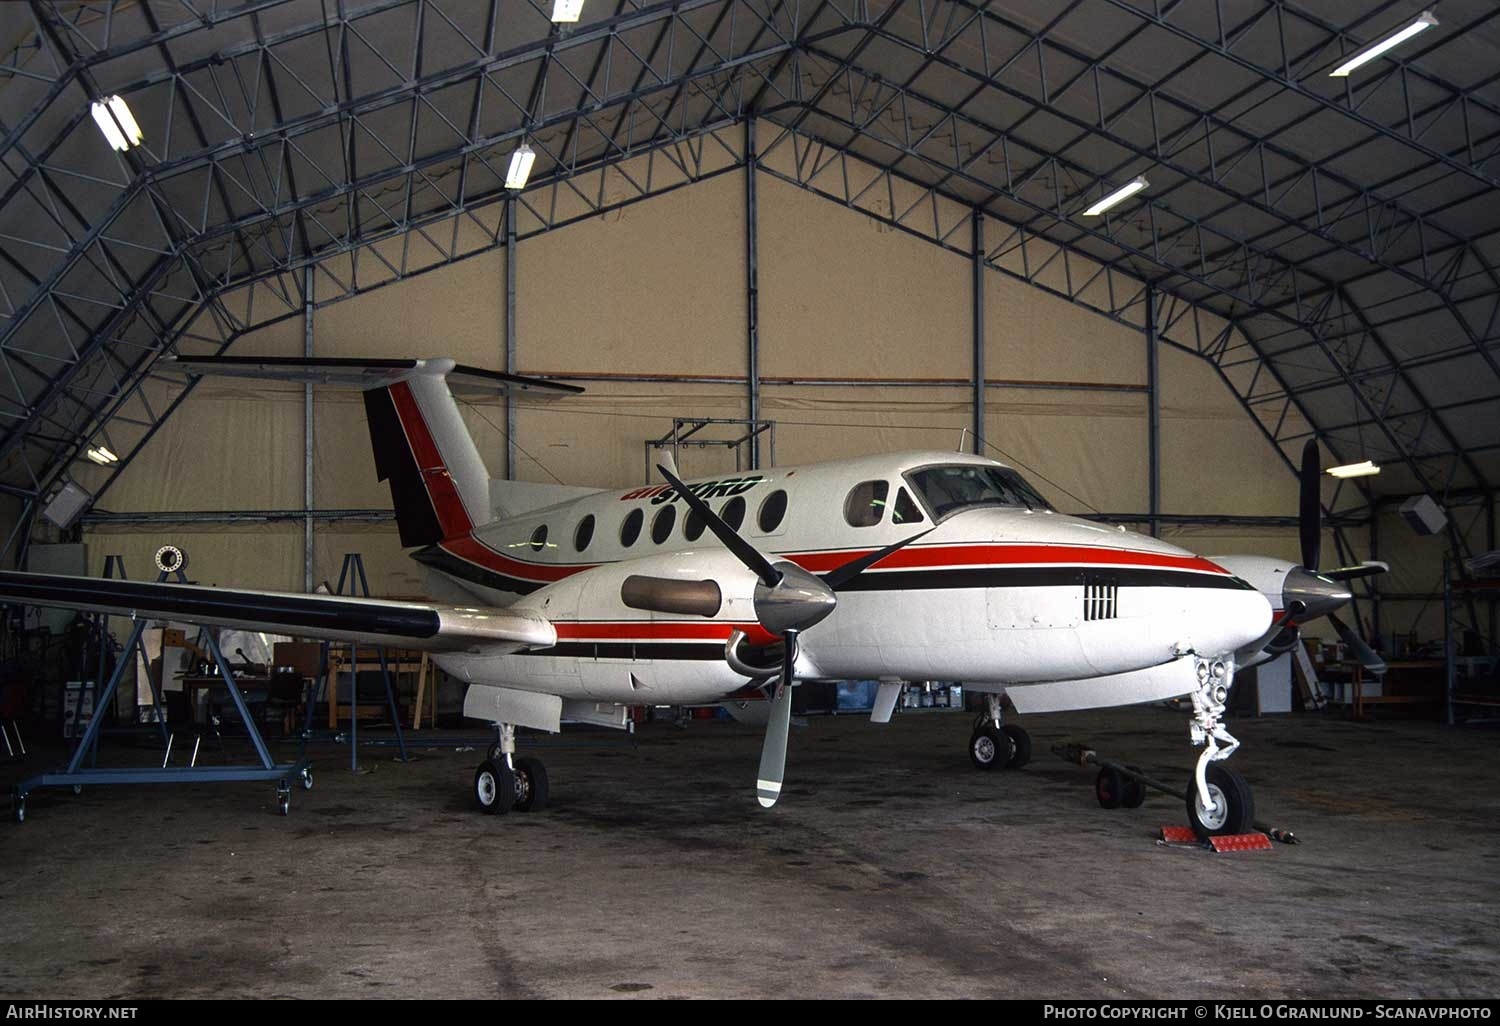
1307, 595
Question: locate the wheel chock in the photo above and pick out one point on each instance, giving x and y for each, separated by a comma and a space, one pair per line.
1241, 842
1184, 837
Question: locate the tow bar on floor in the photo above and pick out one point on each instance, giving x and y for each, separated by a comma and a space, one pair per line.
1121, 786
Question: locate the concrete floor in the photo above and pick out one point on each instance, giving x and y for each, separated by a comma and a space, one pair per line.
890, 868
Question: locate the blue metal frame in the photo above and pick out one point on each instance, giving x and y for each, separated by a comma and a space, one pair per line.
75, 775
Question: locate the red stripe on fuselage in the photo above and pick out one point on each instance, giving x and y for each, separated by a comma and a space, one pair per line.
453, 518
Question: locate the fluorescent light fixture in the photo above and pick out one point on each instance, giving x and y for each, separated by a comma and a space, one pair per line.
520, 167
1425, 21
117, 123
1117, 197
101, 455
566, 10
1364, 469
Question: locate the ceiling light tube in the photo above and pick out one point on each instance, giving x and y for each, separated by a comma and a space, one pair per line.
101, 455
520, 167
1425, 21
1364, 469
566, 11
118, 124
1117, 197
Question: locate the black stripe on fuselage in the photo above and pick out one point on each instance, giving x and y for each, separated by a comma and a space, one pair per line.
1039, 577
215, 605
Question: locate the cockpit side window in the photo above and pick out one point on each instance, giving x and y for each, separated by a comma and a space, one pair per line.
906, 511
865, 504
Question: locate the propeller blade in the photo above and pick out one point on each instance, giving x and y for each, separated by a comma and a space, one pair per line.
1368, 568
1310, 511
746, 553
773, 749
842, 575
1366, 655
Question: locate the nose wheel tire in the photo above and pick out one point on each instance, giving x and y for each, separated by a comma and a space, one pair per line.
531, 785
990, 749
494, 787
1233, 804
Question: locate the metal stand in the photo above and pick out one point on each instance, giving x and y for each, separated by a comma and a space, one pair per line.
684, 428
75, 775
352, 576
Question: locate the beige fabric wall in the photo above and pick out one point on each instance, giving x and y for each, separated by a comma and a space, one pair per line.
658, 289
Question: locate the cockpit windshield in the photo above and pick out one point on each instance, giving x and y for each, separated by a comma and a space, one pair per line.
960, 486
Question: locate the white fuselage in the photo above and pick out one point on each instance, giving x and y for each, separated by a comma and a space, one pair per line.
1000, 595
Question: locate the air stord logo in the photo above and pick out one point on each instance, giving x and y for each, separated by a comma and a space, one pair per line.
661, 494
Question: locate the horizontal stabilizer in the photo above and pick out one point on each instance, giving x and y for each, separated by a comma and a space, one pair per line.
326, 617
372, 373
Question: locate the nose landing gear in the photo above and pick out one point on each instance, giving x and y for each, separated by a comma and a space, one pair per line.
1219, 800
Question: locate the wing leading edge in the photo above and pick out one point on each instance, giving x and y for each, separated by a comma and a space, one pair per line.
326, 617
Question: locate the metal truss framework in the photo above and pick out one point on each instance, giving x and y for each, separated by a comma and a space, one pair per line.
368, 141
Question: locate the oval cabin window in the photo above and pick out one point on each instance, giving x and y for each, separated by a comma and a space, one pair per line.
661, 527
772, 511
539, 539
584, 534
733, 512
630, 530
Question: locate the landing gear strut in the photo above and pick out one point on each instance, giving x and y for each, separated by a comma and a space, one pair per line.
503, 782
1219, 801
995, 744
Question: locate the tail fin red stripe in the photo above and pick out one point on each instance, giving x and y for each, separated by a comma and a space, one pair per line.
452, 516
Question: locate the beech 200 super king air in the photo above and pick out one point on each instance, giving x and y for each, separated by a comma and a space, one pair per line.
574, 604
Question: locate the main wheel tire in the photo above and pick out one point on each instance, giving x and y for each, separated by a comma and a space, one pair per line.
1133, 795
494, 787
1109, 788
989, 748
531, 785
1020, 743
1234, 804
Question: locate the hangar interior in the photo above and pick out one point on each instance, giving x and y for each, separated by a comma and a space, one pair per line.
861, 221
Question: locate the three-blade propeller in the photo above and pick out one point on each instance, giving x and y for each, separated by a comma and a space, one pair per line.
1309, 593
788, 601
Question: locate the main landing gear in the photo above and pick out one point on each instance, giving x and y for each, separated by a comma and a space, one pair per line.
503, 782
1219, 801
996, 744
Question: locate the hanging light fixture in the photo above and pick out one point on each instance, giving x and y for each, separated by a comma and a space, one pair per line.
520, 167
117, 123
1363, 469
1117, 197
1424, 22
101, 455
566, 11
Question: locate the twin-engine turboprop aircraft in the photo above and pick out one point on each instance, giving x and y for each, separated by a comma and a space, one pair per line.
574, 604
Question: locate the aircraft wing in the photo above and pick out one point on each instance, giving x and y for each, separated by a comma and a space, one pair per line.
327, 617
